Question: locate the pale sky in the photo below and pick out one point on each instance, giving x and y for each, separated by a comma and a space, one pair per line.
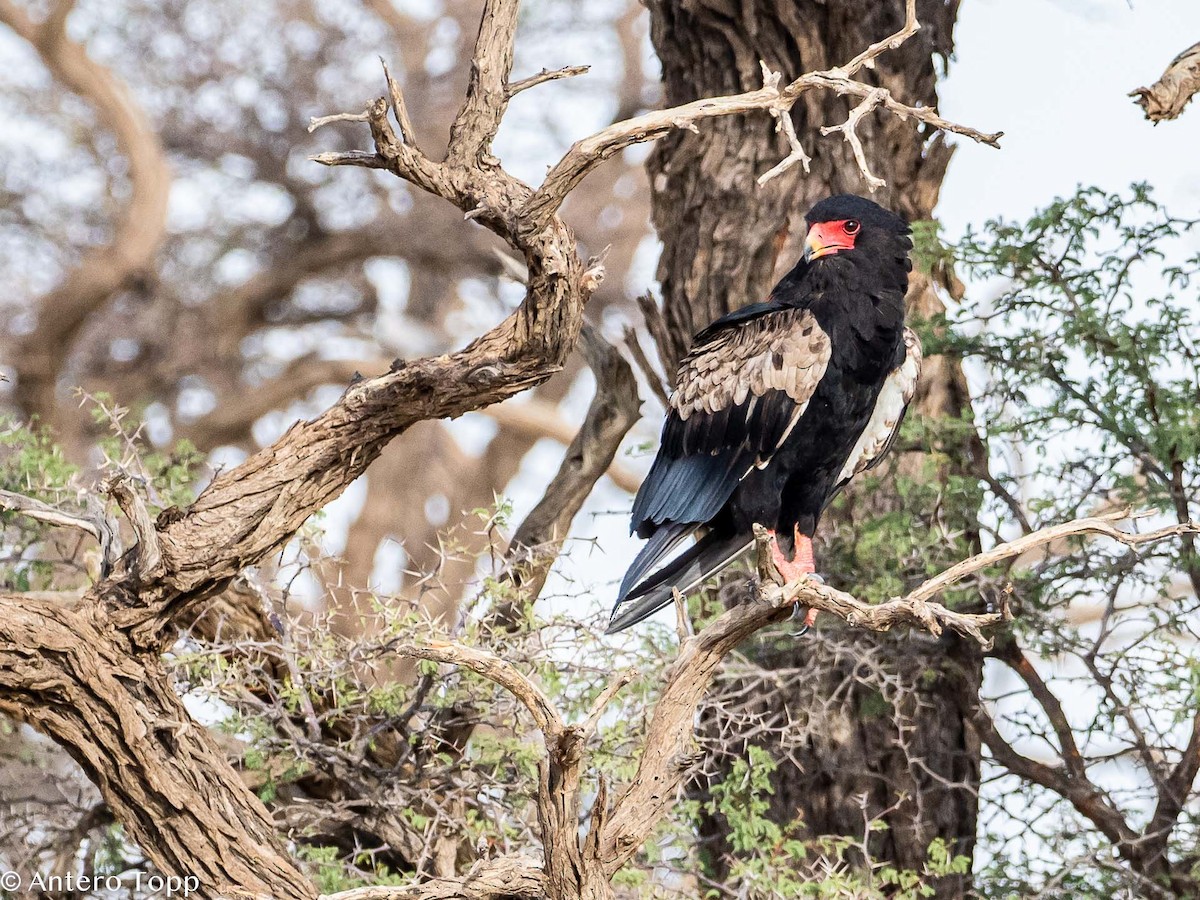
1053, 76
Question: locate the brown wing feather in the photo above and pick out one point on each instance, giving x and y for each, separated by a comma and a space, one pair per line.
739, 392
785, 351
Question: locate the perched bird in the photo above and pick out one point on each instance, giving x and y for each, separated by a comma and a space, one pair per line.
777, 406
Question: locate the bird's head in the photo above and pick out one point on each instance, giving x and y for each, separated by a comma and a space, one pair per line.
854, 226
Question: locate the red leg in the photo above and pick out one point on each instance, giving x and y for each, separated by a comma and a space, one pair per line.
804, 553
796, 568
804, 556
799, 565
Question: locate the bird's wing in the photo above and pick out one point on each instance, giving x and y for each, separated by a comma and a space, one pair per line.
739, 393
884, 425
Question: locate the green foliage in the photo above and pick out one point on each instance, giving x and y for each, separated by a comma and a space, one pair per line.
1084, 349
772, 860
31, 463
43, 557
328, 868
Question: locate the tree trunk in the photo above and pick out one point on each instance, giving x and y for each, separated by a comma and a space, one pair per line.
722, 237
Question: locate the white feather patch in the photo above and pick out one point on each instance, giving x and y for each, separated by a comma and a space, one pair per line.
897, 392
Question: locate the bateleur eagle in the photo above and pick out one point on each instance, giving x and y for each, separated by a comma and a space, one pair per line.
777, 406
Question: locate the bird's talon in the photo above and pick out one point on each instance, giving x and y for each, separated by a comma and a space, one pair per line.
796, 608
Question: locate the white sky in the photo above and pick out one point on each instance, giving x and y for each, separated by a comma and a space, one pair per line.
1053, 76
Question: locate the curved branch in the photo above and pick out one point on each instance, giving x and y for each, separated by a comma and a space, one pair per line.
502, 672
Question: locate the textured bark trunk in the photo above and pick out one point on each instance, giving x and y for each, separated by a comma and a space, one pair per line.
723, 236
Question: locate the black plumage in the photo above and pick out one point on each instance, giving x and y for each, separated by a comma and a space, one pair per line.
777, 406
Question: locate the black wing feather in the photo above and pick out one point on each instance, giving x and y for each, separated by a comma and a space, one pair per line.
740, 390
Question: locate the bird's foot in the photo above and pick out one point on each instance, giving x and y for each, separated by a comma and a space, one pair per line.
810, 617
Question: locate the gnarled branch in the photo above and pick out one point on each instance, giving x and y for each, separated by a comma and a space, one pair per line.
1166, 98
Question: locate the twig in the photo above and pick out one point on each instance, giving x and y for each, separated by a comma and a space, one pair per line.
399, 108
543, 76
44, 512
850, 135
1044, 536
783, 124
866, 59
654, 379
682, 625
320, 121
605, 697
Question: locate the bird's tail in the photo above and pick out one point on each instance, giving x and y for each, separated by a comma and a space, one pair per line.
707, 557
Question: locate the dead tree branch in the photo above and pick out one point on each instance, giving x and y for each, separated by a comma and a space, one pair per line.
586, 154
543, 76
95, 524
148, 554
1166, 98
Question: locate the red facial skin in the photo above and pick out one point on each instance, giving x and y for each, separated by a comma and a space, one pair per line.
825, 238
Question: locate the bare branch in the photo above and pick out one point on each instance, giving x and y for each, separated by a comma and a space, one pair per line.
44, 512
1166, 98
399, 108
502, 672
148, 556
784, 124
1045, 536
867, 58
97, 525
586, 154
850, 135
605, 697
545, 75
320, 121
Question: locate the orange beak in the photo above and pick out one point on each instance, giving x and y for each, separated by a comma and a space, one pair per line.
825, 239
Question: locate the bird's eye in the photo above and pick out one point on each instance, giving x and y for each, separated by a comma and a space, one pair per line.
851, 226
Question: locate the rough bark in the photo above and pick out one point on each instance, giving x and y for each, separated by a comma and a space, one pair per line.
68, 673
722, 237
